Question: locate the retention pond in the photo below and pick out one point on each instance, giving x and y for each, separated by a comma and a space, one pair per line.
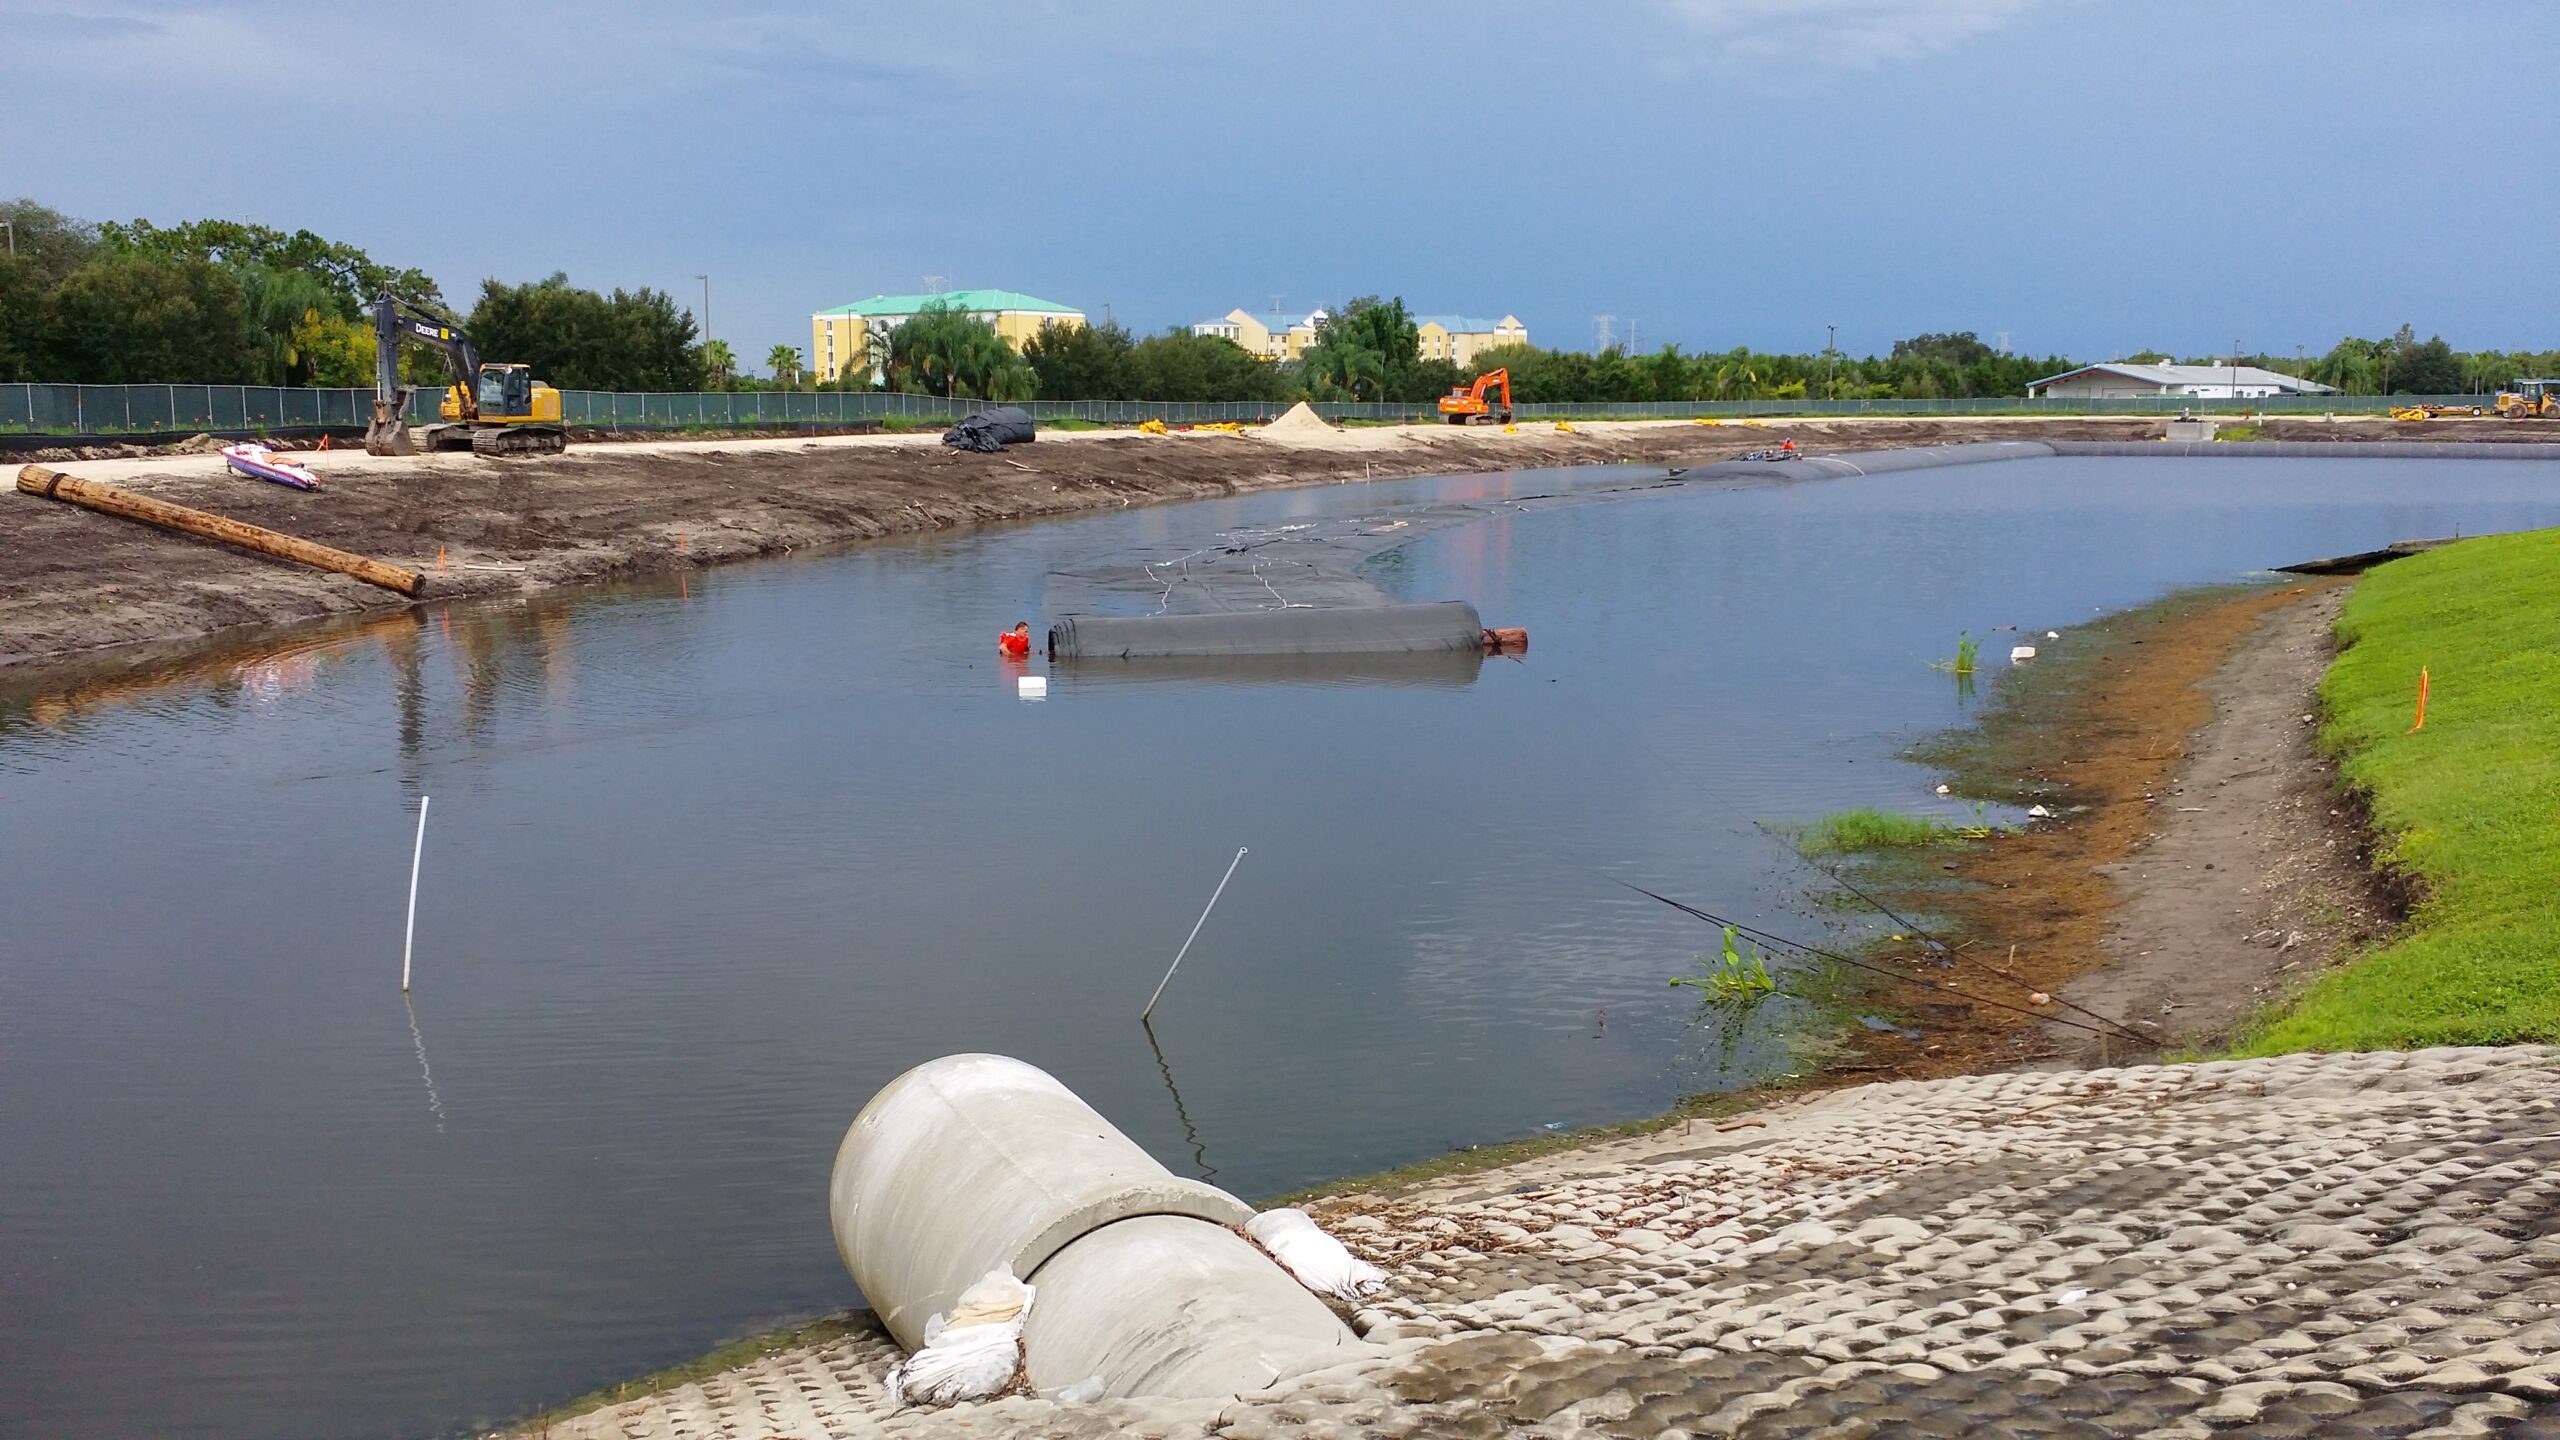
710, 863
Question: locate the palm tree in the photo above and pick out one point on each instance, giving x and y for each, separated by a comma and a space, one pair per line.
1339, 367
719, 361
784, 362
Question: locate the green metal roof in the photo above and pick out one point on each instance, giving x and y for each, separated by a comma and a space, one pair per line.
977, 302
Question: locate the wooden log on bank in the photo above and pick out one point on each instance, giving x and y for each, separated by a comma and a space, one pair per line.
108, 500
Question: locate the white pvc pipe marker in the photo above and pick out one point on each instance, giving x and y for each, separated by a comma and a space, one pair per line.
1194, 935
409, 941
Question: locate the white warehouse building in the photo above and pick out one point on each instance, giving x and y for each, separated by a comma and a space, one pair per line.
2121, 380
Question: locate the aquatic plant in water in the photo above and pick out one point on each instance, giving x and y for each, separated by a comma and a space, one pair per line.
1740, 975
1967, 650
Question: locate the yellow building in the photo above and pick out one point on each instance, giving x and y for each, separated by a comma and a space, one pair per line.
1269, 337
859, 332
1458, 339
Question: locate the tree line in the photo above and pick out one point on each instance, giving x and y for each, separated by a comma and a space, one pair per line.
224, 302
219, 302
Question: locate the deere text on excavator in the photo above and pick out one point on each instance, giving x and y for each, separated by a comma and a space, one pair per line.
1467, 404
492, 408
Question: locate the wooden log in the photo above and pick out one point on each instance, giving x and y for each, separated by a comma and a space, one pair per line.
108, 500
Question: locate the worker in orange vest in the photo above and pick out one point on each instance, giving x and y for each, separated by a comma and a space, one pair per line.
1015, 644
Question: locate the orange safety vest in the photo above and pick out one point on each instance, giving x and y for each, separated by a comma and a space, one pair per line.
1014, 643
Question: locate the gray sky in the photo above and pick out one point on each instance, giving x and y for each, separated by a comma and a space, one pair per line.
2091, 178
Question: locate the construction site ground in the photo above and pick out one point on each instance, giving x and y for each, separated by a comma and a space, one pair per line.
73, 583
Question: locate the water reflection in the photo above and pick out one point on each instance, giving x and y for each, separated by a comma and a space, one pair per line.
1182, 1113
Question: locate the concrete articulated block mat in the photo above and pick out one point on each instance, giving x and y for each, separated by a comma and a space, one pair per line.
2331, 1245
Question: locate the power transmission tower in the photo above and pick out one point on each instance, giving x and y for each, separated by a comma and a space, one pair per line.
1603, 331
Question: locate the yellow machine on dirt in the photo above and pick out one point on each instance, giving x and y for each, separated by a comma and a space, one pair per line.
494, 408
2434, 412
2530, 400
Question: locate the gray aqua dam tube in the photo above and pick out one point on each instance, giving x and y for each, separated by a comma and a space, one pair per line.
971, 1162
1356, 630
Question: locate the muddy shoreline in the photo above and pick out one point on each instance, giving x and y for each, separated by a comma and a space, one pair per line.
80, 586
2199, 862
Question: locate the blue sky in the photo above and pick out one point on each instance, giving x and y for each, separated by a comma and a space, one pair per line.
2090, 178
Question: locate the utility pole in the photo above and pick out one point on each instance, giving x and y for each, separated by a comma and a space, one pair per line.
1831, 363
13, 235
706, 311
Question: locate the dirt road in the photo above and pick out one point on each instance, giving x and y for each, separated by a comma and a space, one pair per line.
72, 583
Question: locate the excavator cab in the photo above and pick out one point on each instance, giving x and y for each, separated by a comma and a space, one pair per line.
506, 391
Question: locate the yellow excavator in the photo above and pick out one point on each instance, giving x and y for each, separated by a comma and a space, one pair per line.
490, 408
2530, 400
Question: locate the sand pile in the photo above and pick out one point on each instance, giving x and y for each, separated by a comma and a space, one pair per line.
1302, 426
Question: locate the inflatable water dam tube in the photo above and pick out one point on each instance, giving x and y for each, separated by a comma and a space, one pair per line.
1356, 630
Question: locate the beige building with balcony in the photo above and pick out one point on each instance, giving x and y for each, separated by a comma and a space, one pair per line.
1454, 338
1458, 339
859, 332
1269, 337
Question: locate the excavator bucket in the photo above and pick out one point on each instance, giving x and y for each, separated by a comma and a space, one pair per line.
388, 432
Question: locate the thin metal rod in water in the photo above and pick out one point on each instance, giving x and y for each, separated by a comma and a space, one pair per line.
1194, 935
409, 941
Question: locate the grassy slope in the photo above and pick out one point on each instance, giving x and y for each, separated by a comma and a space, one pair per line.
2469, 806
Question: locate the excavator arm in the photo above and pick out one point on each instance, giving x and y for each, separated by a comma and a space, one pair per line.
395, 320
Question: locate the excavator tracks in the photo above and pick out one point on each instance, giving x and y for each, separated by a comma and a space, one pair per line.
509, 441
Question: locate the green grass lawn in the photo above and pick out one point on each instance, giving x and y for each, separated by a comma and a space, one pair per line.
2469, 807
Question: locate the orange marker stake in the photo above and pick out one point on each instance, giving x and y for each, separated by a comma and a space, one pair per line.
679, 542
439, 559
2421, 722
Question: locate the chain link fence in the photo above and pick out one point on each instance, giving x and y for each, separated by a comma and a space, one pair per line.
247, 410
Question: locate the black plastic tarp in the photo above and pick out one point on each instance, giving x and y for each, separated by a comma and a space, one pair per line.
989, 431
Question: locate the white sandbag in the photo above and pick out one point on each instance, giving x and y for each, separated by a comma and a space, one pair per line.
1315, 1258
972, 1352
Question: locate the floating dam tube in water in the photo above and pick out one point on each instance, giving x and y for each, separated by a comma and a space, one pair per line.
1425, 669
973, 1162
1446, 625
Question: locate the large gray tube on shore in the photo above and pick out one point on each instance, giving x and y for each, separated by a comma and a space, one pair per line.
971, 1162
1358, 630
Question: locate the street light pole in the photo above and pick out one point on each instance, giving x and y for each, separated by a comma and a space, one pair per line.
706, 310
1831, 363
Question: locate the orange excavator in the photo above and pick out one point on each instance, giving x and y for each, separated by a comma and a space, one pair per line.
1468, 405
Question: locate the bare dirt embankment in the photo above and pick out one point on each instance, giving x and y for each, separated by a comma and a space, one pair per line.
72, 582
2200, 860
